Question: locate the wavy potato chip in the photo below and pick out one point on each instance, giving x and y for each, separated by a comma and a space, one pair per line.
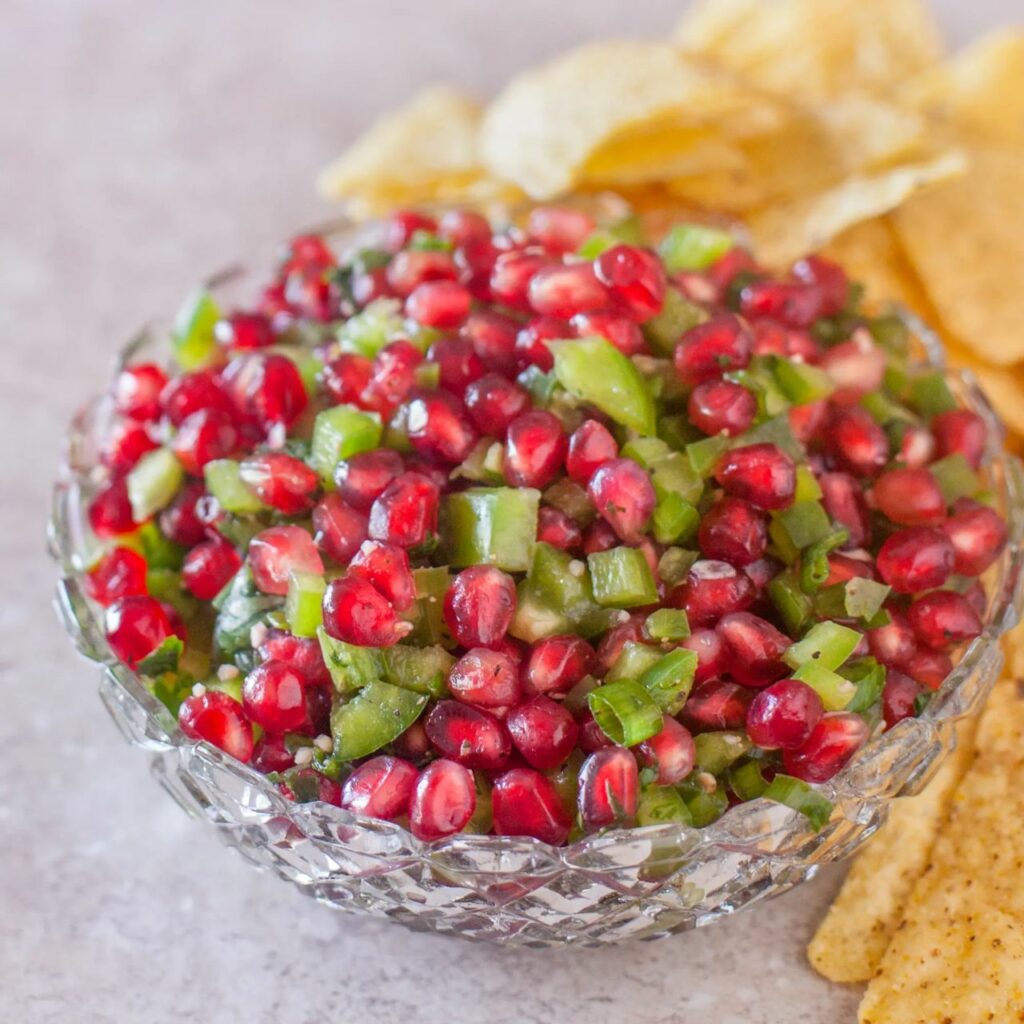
814, 50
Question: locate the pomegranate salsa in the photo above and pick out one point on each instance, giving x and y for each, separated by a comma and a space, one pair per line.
539, 530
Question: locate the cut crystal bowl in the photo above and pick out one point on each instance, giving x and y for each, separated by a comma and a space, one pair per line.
622, 884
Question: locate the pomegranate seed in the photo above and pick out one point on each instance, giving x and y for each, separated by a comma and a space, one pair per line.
179, 522
135, 627
978, 535
271, 755
485, 678
929, 668
356, 612
722, 407
943, 619
121, 572
916, 559
110, 511
898, 697
670, 752
438, 428
917, 447
362, 478
713, 589
413, 267
710, 650
302, 653
392, 377
493, 337
608, 788
512, 275
857, 442
754, 648
406, 512
276, 553
599, 536
193, 392
844, 502
479, 606
464, 227
309, 253
725, 269
266, 389
220, 721
413, 744
204, 436
526, 803
910, 497
635, 277
857, 368
245, 331
458, 363
843, 568
591, 736
280, 481
558, 228
717, 705
613, 642
791, 303
443, 801
893, 644
387, 568
762, 474
543, 731
338, 528
403, 224
137, 391
622, 332
380, 788
834, 741
807, 420
347, 377
830, 278
623, 494
960, 431
557, 529
475, 264
977, 598
556, 664
494, 401
125, 444
590, 447
564, 289
732, 530
531, 341
274, 697
440, 304
783, 716
535, 449
469, 735
208, 567
712, 348
369, 285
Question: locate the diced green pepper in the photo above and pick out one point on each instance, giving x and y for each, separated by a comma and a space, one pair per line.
869, 678
798, 795
674, 520
193, 339
621, 578
303, 605
777, 431
890, 331
827, 643
747, 781
667, 624
661, 805
351, 667
376, 715
693, 247
427, 614
670, 679
372, 328
857, 598
705, 806
534, 619
152, 484
805, 523
163, 658
955, 477
835, 691
807, 486
633, 661
802, 383
930, 394
704, 454
490, 526
674, 565
716, 751
677, 316
422, 669
625, 712
627, 231
224, 482
793, 605
339, 432
671, 471
539, 385
814, 563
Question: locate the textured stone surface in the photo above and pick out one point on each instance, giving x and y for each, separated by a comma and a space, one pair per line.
142, 144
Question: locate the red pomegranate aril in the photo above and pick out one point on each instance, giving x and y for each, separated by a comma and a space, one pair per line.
599, 536
386, 566
438, 428
276, 553
137, 391
792, 303
338, 529
960, 431
543, 731
535, 448
308, 253
670, 752
556, 664
440, 304
479, 606
762, 474
280, 481
121, 572
977, 598
485, 679
590, 447
898, 697
204, 436
413, 267
468, 735
532, 338
512, 275
125, 444
591, 737
493, 401
857, 368
713, 589
193, 392
443, 801
463, 227
943, 619
565, 289
526, 803
266, 389
844, 501
380, 788
458, 363
857, 442
554, 527
842, 568
722, 407
635, 277
406, 512
413, 744
110, 511
893, 644
327, 790
367, 286
392, 377
915, 559
346, 377
733, 531
829, 748
493, 337
630, 630
135, 627
357, 612
623, 494
916, 447
710, 650
622, 332
474, 263
830, 279
208, 567
274, 697
783, 716
608, 788
558, 228
978, 535
754, 648
929, 668
910, 497
245, 331
362, 478
716, 705
302, 653
179, 521
271, 755
219, 720
402, 225
710, 349
807, 420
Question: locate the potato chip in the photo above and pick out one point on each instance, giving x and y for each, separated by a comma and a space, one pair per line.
815, 49
783, 233
594, 104
869, 133
851, 940
415, 154
965, 241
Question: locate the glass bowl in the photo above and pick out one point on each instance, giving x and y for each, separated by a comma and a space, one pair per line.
622, 884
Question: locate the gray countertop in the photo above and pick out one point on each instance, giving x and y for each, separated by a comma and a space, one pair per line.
143, 143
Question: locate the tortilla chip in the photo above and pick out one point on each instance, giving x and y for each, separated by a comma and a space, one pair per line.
784, 233
422, 152
965, 241
815, 49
